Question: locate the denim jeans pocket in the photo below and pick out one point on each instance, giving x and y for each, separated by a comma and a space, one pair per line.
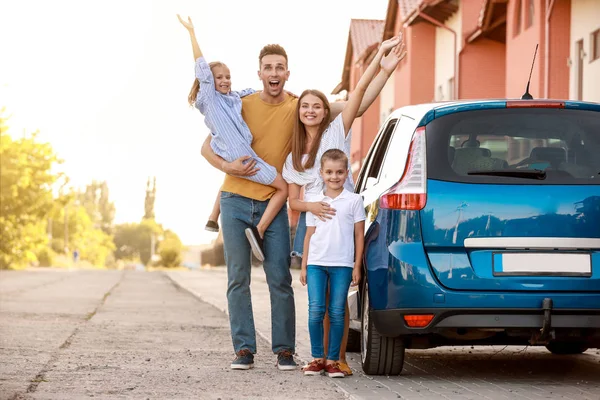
226, 195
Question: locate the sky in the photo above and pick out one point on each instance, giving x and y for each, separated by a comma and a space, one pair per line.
106, 83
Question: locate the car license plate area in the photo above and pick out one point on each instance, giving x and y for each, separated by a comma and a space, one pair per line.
541, 264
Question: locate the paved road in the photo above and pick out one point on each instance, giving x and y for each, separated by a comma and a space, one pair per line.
496, 372
126, 335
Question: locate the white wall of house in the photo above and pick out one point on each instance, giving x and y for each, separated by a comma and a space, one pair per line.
387, 99
445, 57
585, 19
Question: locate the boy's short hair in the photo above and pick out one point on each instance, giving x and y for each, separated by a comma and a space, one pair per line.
272, 49
334, 155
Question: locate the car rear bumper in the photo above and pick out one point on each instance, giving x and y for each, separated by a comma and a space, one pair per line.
392, 323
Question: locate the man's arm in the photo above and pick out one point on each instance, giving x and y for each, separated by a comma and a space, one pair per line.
236, 168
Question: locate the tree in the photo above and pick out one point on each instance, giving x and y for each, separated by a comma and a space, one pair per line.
170, 250
26, 180
96, 201
137, 240
149, 200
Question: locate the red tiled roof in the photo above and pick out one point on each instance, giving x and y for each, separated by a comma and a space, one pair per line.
363, 36
408, 6
364, 33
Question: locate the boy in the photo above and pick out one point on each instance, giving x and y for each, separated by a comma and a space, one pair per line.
334, 248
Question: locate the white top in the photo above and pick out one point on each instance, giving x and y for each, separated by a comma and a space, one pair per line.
334, 137
332, 244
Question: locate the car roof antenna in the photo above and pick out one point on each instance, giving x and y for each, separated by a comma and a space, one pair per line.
527, 95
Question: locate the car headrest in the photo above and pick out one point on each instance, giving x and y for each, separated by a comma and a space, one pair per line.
475, 151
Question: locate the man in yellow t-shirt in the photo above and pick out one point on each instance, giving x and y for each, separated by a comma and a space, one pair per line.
270, 115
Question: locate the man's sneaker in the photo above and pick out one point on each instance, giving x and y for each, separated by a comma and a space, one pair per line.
212, 226
244, 360
285, 361
314, 368
334, 371
256, 243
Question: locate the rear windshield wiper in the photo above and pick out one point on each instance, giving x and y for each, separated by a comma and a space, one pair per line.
527, 174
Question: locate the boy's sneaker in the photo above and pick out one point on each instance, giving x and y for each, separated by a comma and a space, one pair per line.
334, 371
212, 226
244, 360
314, 368
256, 243
285, 361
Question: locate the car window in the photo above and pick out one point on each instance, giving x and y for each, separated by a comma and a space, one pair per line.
374, 160
551, 146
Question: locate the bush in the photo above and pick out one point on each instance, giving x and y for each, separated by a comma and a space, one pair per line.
170, 250
46, 257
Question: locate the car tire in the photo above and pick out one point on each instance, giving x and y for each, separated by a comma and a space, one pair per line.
566, 348
380, 355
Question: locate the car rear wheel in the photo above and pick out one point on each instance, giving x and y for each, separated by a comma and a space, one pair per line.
566, 347
380, 355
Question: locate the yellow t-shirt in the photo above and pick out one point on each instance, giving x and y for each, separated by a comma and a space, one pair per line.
271, 126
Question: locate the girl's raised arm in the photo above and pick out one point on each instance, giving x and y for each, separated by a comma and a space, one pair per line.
353, 104
190, 27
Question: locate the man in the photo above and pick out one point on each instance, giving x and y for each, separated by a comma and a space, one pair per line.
270, 115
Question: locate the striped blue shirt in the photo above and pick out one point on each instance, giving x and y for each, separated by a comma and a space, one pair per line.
222, 114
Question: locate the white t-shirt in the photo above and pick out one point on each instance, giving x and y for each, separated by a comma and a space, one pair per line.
334, 137
332, 244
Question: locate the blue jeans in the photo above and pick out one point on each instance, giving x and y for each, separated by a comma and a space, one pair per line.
317, 279
299, 236
237, 214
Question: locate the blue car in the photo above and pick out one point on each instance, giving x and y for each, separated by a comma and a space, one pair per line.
483, 227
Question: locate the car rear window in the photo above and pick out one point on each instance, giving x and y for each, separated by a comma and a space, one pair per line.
515, 146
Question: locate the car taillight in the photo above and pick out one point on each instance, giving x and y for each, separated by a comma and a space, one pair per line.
410, 193
418, 321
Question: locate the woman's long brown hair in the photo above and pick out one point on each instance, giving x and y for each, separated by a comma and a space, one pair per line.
300, 137
196, 86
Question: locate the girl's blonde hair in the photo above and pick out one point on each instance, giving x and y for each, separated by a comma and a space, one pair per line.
196, 86
300, 138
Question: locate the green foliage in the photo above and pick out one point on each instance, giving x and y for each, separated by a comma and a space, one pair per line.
46, 257
136, 240
170, 250
95, 199
26, 180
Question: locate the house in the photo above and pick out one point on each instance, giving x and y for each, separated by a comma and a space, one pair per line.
473, 49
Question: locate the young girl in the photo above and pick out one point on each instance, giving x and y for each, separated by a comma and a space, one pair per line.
314, 135
231, 137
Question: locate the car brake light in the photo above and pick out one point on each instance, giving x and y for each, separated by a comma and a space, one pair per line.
410, 193
535, 104
418, 321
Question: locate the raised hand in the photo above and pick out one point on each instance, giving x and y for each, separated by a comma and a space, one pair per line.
391, 42
390, 62
187, 24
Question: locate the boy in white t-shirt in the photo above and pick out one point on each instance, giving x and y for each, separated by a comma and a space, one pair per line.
333, 251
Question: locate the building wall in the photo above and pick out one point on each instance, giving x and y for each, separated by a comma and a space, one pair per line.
559, 50
482, 69
585, 19
520, 48
445, 57
421, 60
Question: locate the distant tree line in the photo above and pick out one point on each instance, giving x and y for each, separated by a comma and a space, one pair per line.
43, 223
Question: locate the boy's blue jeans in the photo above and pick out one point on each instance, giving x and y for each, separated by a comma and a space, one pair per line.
237, 214
317, 279
298, 248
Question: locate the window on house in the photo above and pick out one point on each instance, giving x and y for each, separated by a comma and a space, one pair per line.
595, 45
530, 13
518, 17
